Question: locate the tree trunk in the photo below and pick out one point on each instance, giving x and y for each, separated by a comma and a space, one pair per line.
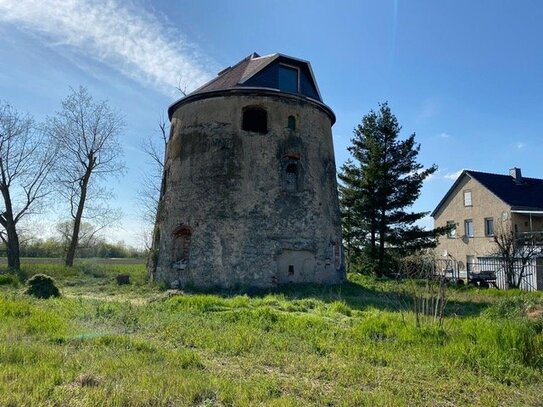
373, 247
382, 229
77, 220
12, 245
12, 241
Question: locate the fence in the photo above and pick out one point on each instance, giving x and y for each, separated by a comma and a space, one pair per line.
483, 271
532, 272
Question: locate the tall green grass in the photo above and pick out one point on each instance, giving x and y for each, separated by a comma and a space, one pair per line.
349, 345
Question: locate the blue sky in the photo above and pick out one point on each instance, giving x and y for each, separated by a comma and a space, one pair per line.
465, 76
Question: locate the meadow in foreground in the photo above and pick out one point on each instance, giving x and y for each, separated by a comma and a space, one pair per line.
350, 345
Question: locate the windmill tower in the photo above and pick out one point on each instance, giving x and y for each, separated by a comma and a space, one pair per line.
249, 192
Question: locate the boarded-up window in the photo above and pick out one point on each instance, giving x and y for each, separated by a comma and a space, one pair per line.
291, 172
181, 245
291, 177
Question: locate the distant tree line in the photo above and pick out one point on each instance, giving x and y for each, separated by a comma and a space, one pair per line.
53, 248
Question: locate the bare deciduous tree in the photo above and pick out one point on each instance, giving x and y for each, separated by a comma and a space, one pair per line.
25, 165
87, 234
154, 148
86, 132
181, 86
516, 251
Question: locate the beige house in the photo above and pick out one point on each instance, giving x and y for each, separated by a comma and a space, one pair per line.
479, 205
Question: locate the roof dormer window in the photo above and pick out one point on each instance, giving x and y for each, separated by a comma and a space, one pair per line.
289, 78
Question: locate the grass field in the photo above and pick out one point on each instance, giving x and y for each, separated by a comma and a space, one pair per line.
351, 345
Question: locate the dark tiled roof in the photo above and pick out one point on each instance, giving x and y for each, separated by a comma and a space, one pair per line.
525, 195
256, 73
236, 75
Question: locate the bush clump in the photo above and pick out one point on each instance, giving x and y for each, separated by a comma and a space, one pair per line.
7, 279
42, 286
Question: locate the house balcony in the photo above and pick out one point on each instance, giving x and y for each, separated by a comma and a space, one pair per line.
531, 238
528, 224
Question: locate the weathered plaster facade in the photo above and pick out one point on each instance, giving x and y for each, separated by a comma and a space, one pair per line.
244, 208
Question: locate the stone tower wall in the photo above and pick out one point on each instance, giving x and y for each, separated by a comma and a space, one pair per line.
229, 216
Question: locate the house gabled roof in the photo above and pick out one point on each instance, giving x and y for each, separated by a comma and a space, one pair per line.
257, 72
524, 195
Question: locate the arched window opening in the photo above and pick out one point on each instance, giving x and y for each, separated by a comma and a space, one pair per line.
255, 119
291, 123
291, 175
181, 246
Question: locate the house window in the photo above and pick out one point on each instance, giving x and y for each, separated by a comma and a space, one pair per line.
255, 119
291, 123
451, 229
489, 226
470, 263
467, 198
468, 227
288, 78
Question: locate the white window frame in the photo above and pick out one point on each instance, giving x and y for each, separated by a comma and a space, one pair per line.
451, 233
470, 263
466, 229
487, 233
468, 198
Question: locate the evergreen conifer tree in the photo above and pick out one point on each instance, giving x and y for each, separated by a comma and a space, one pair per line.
378, 186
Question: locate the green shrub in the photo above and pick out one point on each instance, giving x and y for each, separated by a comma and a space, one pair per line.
8, 279
42, 286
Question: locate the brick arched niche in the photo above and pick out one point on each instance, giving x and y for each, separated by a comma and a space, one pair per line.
181, 246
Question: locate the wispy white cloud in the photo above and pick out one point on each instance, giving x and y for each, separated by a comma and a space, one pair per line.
521, 145
453, 175
426, 223
444, 135
427, 110
139, 44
